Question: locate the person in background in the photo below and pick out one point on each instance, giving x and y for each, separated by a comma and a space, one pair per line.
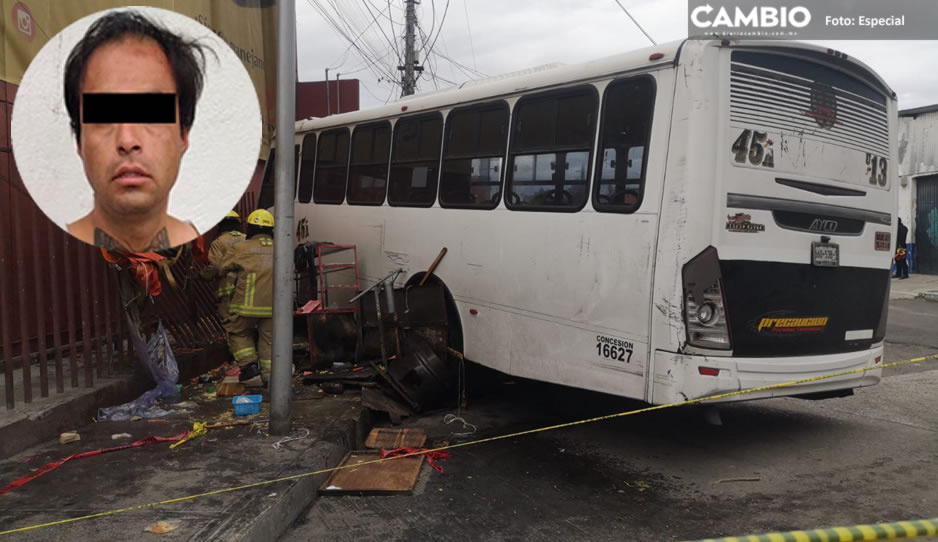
229, 235
251, 306
902, 267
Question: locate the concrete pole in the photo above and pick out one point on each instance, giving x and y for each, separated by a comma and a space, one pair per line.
281, 390
408, 80
328, 101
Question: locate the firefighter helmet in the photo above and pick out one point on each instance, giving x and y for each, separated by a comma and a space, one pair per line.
234, 215
261, 218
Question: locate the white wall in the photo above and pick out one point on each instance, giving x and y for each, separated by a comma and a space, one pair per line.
918, 155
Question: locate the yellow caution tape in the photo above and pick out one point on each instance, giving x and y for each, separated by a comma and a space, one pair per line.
878, 531
514, 435
198, 429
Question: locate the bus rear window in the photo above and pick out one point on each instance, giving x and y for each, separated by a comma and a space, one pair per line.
623, 142
476, 138
331, 167
415, 161
551, 145
368, 169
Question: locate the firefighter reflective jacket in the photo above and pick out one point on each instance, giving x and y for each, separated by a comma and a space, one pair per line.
216, 257
253, 261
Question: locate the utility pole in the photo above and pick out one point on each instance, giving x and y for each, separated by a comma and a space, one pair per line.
338, 93
410, 67
281, 389
328, 101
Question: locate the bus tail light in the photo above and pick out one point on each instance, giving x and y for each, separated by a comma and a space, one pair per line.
704, 306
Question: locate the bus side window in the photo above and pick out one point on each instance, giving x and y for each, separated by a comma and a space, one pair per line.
368, 168
473, 157
331, 167
550, 161
625, 131
307, 162
296, 169
415, 161
265, 200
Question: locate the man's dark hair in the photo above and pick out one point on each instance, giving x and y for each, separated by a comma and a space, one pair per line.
184, 57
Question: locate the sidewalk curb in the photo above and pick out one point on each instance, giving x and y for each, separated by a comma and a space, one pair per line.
257, 516
36, 428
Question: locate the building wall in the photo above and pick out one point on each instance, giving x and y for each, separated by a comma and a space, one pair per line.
311, 98
918, 156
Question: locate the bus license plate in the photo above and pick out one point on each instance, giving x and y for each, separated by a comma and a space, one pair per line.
825, 254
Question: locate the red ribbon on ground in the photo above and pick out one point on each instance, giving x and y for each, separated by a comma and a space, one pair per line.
431, 456
48, 467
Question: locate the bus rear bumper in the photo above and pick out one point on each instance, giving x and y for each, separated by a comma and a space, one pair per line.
678, 377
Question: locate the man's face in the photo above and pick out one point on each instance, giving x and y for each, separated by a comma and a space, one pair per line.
131, 167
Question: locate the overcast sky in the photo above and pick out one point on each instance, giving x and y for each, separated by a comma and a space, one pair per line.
498, 36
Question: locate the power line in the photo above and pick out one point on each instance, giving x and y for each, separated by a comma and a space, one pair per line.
374, 20
442, 21
653, 42
472, 47
357, 38
378, 69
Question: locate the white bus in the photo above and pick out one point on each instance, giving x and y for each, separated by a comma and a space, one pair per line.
666, 224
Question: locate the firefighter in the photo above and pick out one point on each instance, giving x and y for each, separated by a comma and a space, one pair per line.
229, 234
251, 307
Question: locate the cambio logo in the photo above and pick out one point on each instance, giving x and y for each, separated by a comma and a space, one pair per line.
757, 17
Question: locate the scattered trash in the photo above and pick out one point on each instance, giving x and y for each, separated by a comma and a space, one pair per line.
640, 485
277, 445
381, 437
385, 478
470, 428
432, 456
198, 429
230, 384
134, 418
70, 436
156, 420
246, 405
272, 495
118, 436
48, 467
186, 405
205, 379
334, 388
157, 356
26, 459
341, 366
740, 479
162, 527
376, 400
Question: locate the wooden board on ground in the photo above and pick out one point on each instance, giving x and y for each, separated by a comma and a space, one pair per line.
391, 439
391, 477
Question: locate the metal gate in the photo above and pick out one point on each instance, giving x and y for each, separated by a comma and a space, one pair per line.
926, 225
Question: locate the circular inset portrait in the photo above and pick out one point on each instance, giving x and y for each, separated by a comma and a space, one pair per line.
136, 129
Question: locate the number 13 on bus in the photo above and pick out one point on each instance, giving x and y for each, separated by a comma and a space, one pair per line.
666, 224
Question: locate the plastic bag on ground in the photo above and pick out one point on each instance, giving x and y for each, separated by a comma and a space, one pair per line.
161, 364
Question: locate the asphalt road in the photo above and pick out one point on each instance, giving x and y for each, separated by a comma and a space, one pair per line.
776, 464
